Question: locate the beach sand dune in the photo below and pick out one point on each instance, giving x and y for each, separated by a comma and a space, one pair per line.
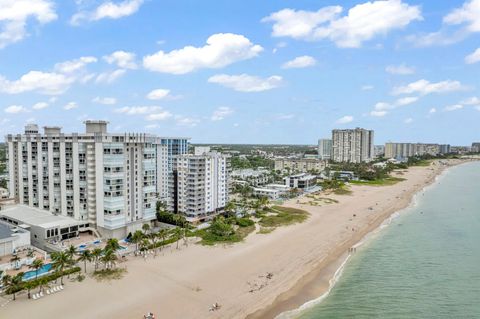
259, 278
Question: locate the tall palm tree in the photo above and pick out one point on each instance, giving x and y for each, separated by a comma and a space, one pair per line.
96, 254
61, 261
145, 228
136, 238
231, 207
153, 240
36, 264
12, 284
109, 258
163, 235
85, 256
144, 244
178, 233
71, 251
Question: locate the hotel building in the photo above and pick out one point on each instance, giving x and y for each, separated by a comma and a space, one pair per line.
108, 181
353, 145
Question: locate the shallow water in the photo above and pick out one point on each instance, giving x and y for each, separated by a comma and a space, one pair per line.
426, 264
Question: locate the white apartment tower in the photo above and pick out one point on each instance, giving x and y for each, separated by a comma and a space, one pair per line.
111, 181
199, 184
352, 145
324, 149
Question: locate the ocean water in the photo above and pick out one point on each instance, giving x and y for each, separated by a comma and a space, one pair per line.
425, 264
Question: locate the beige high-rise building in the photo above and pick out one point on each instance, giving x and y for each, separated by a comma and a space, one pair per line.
199, 184
352, 145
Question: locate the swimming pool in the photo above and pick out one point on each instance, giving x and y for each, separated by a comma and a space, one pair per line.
41, 271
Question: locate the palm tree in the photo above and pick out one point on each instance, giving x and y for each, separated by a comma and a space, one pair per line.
177, 232
60, 261
163, 235
71, 251
36, 264
264, 202
12, 284
85, 256
109, 258
96, 254
29, 285
145, 228
112, 244
144, 244
136, 238
231, 207
153, 239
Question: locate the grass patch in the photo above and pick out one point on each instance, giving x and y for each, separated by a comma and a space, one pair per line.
109, 274
380, 182
210, 238
342, 191
422, 163
265, 230
282, 216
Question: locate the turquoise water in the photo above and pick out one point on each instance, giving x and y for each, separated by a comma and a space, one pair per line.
41, 271
426, 264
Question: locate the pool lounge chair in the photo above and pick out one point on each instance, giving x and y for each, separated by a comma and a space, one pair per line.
61, 287
34, 297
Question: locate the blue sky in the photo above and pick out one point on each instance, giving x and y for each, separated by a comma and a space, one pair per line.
244, 71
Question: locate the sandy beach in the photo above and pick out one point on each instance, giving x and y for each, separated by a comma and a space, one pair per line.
184, 283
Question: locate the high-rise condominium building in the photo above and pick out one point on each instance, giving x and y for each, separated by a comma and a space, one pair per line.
475, 147
324, 149
352, 145
109, 180
199, 184
405, 150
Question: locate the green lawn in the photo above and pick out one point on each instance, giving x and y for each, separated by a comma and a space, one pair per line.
380, 182
283, 216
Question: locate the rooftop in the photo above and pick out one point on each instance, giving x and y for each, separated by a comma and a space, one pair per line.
7, 231
37, 217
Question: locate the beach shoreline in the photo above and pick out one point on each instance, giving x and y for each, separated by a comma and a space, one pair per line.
184, 283
323, 277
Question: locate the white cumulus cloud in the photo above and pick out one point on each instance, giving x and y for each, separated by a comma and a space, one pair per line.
105, 100
107, 10
15, 109
221, 113
401, 69
123, 59
452, 108
70, 106
49, 83
247, 83
425, 87
15, 15
474, 57
221, 49
40, 106
468, 15
363, 22
300, 62
74, 65
158, 94
344, 120
110, 77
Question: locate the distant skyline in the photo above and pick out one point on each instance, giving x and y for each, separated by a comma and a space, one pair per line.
244, 72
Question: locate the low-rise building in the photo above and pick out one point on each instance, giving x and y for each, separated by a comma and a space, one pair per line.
46, 230
272, 191
253, 177
299, 165
12, 238
301, 181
